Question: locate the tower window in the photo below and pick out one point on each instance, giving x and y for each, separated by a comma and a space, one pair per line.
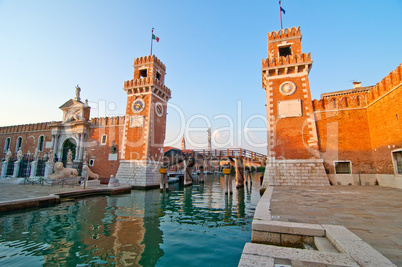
143, 73
158, 76
285, 51
103, 139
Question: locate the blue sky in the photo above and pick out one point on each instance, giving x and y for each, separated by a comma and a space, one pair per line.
212, 51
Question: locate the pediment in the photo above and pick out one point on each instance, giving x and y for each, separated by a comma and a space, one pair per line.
72, 103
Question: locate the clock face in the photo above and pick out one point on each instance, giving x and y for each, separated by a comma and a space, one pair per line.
287, 88
138, 105
159, 109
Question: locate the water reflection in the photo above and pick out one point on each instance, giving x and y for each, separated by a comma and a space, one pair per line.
144, 228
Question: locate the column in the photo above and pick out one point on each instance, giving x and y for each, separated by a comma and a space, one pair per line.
78, 149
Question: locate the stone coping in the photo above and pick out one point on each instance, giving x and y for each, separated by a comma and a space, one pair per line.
52, 199
269, 235
27, 203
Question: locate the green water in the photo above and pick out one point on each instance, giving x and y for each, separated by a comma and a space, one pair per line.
192, 226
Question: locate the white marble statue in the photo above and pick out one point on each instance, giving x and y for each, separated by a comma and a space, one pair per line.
36, 155
86, 157
77, 93
69, 156
8, 155
20, 156
29, 154
89, 172
61, 172
50, 156
113, 182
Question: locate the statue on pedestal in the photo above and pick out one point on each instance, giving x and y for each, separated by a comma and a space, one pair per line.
86, 157
69, 156
20, 156
77, 93
50, 156
36, 155
8, 155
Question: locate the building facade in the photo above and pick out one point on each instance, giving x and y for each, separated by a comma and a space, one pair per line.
130, 146
354, 136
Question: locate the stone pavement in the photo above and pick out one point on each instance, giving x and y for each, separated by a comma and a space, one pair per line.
10, 192
373, 213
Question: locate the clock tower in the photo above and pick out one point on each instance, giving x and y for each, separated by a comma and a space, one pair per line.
291, 129
145, 124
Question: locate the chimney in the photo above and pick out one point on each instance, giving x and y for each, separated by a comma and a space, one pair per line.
357, 85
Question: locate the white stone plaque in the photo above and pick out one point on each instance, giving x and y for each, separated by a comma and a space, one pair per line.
112, 157
289, 108
137, 121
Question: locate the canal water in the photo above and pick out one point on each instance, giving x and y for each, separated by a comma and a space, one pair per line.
184, 226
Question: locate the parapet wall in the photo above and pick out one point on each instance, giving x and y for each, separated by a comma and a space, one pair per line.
288, 60
288, 32
359, 97
25, 128
149, 59
108, 121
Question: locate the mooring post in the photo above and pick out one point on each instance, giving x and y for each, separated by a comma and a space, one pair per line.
164, 181
201, 174
228, 179
188, 179
239, 172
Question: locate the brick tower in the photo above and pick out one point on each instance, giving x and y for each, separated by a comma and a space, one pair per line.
145, 124
291, 128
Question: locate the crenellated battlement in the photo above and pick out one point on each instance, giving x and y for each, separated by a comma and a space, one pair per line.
33, 127
388, 83
359, 97
288, 32
149, 59
108, 121
288, 60
135, 85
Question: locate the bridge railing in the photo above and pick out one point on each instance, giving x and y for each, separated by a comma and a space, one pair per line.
233, 152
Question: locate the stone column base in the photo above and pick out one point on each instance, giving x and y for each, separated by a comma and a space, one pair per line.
295, 172
139, 173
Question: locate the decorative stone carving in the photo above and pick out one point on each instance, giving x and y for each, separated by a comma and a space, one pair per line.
85, 157
61, 172
287, 88
69, 156
36, 155
51, 156
89, 172
20, 156
113, 182
77, 93
8, 155
73, 115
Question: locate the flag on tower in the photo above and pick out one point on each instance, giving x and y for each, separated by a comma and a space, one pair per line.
283, 10
155, 38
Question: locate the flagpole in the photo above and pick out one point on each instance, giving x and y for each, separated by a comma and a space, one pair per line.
152, 38
280, 13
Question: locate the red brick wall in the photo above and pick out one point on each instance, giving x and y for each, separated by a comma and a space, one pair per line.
100, 153
345, 135
385, 120
292, 133
30, 134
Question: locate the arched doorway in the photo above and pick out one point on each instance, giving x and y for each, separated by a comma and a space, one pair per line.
68, 144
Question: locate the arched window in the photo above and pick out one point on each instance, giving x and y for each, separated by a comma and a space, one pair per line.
19, 144
7, 144
41, 141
